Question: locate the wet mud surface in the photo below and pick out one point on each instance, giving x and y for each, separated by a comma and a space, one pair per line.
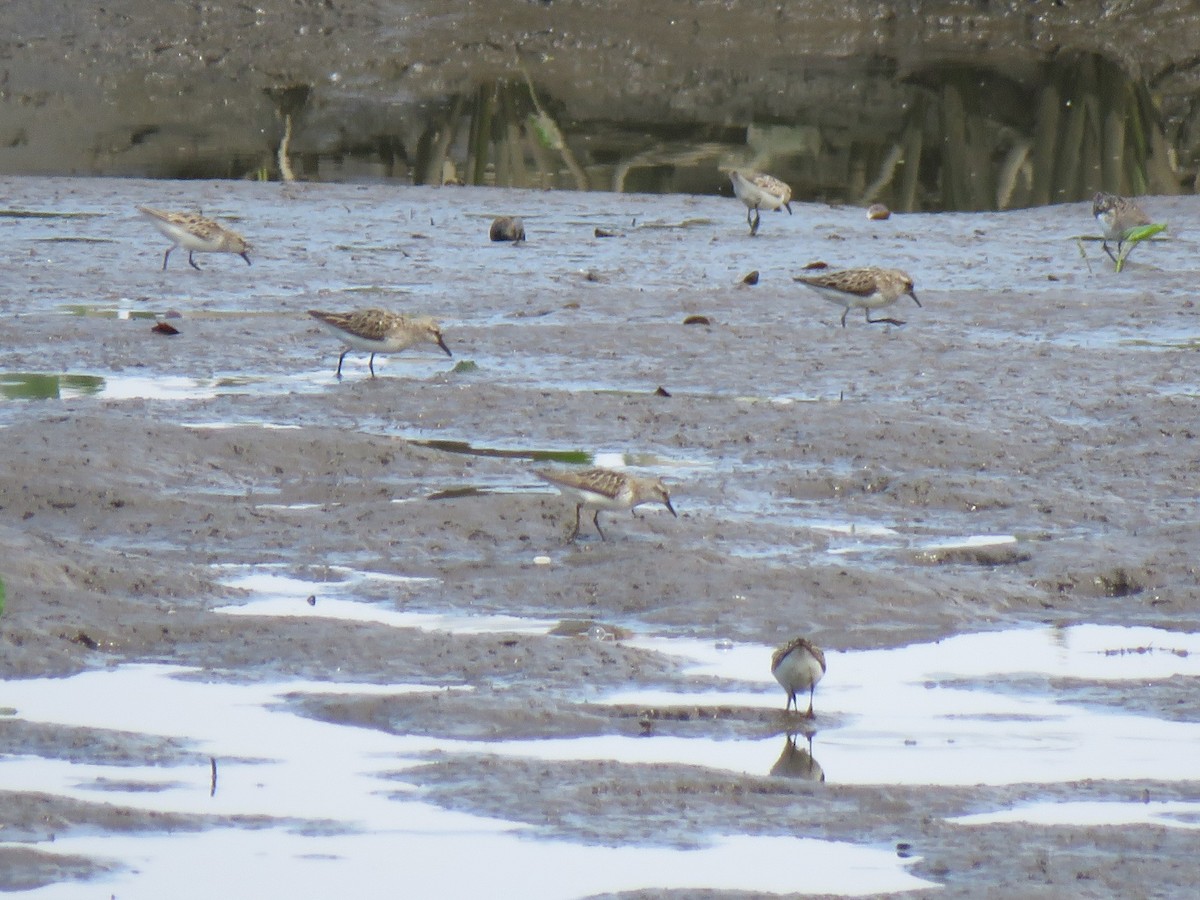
830, 481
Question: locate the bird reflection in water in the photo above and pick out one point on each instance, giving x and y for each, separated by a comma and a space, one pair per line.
797, 762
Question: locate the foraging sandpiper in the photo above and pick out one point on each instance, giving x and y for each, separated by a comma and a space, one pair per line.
379, 331
798, 665
195, 234
763, 191
867, 289
602, 489
1117, 216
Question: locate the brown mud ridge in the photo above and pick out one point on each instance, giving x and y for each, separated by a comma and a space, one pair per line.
1034, 393
138, 88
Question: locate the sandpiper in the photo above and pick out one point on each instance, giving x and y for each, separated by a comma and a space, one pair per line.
1116, 217
866, 289
195, 234
798, 665
757, 191
379, 331
602, 489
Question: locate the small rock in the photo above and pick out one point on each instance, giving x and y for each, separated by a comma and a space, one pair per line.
751, 278
507, 228
877, 211
697, 320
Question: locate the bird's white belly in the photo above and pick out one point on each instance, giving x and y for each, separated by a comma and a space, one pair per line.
358, 342
181, 237
753, 196
592, 500
873, 300
798, 671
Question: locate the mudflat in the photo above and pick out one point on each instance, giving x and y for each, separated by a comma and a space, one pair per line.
1021, 453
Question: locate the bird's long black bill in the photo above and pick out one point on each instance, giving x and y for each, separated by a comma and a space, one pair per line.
442, 344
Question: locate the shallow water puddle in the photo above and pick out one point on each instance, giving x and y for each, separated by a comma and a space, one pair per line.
341, 826
1165, 813
286, 596
912, 715
49, 385
939, 713
45, 386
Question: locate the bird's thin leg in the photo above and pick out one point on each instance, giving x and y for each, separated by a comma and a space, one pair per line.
340, 358
596, 522
575, 533
754, 225
809, 714
193, 262
165, 255
844, 314
371, 365
1108, 251
790, 700
883, 321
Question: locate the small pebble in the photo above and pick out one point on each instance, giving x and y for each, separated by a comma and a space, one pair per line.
878, 211
541, 560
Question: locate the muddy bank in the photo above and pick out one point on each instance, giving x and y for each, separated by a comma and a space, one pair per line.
377, 90
830, 481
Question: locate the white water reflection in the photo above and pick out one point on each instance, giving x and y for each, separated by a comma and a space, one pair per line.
171, 387
939, 713
285, 596
888, 716
349, 826
1167, 814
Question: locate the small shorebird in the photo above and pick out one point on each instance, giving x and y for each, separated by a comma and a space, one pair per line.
602, 489
757, 191
195, 234
378, 331
866, 289
798, 665
1116, 216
